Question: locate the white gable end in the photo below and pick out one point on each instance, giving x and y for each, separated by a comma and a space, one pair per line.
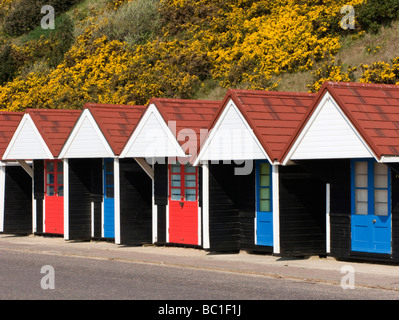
232, 139
86, 140
152, 138
27, 143
329, 135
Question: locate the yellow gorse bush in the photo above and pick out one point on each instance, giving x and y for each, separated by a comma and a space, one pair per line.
236, 43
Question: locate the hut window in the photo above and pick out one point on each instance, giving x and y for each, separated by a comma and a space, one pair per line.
370, 187
109, 178
183, 182
264, 191
54, 178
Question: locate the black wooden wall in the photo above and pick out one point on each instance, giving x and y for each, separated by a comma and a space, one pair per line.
135, 203
17, 201
224, 217
38, 192
302, 212
80, 196
161, 199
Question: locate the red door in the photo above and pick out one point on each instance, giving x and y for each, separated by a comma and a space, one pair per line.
54, 197
183, 204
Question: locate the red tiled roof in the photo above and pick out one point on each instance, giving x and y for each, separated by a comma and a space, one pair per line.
9, 122
373, 109
274, 116
54, 126
116, 122
196, 115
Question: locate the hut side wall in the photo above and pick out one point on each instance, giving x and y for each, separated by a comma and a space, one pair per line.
135, 203
17, 201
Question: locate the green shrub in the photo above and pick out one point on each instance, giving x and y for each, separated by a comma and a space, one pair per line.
25, 15
372, 14
8, 64
134, 22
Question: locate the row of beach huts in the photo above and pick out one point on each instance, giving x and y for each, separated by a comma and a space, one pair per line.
276, 172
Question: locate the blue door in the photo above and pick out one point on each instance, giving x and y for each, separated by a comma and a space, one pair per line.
264, 210
109, 204
371, 207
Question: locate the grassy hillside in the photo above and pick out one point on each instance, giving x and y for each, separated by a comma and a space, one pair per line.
127, 51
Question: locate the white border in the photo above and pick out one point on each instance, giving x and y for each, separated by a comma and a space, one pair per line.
66, 199
117, 212
152, 109
276, 209
327, 96
14, 140
86, 115
216, 128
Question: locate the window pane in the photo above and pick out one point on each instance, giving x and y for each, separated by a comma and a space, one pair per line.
361, 174
189, 169
109, 166
264, 168
190, 181
361, 201
109, 192
175, 180
50, 190
175, 168
380, 175
264, 205
60, 166
175, 194
264, 194
190, 195
109, 179
60, 178
381, 202
60, 191
50, 167
50, 178
264, 180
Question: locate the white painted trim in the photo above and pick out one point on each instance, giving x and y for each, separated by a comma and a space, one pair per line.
86, 115
276, 209
26, 167
27, 118
205, 204
66, 199
154, 215
328, 217
103, 196
44, 214
388, 159
2, 196
327, 96
117, 195
167, 222
92, 218
216, 128
199, 226
177, 149
34, 214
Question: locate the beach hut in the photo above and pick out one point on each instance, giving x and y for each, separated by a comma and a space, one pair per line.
38, 138
107, 197
252, 202
168, 134
350, 142
15, 183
